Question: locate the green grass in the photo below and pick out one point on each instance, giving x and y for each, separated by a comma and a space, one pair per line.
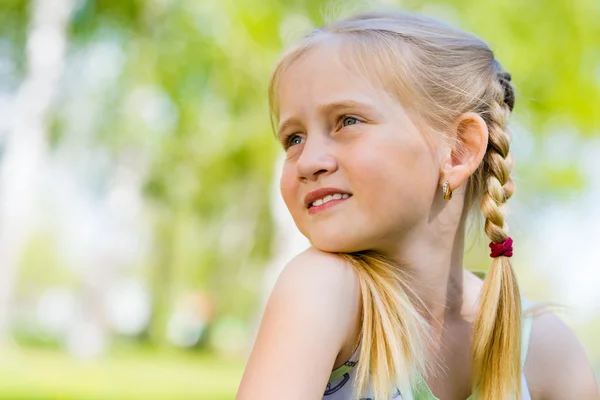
50, 375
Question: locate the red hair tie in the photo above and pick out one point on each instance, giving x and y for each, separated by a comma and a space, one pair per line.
502, 249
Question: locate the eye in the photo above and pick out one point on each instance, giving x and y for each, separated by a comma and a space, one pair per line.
349, 121
292, 140
295, 139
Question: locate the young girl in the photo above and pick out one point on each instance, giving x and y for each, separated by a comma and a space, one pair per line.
394, 126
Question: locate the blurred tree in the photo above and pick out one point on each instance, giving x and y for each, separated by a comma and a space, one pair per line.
25, 144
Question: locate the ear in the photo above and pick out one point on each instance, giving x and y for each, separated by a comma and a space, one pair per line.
461, 160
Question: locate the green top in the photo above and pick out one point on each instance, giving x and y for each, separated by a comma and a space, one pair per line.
423, 392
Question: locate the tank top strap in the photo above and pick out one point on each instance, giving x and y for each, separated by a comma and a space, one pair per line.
347, 366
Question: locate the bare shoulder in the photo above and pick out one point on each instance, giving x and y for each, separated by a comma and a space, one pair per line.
557, 366
320, 280
306, 322
319, 267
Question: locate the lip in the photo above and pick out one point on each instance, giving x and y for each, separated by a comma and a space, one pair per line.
320, 193
331, 203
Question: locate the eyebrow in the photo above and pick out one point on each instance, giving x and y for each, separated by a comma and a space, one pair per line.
330, 108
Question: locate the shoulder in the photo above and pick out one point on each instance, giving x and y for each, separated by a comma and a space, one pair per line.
309, 313
322, 287
557, 366
326, 276
317, 285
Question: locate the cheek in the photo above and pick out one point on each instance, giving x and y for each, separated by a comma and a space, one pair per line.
397, 178
289, 186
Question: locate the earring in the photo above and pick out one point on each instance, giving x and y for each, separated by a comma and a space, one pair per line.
447, 191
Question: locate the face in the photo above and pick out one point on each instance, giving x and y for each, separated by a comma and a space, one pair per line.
341, 132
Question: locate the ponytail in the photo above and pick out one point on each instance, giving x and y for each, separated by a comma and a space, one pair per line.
496, 370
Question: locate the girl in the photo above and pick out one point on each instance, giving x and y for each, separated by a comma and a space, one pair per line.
394, 126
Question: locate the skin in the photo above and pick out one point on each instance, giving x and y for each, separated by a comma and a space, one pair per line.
348, 134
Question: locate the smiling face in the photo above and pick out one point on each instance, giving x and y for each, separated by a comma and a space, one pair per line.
342, 132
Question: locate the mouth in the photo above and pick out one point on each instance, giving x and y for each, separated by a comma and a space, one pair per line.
324, 195
327, 202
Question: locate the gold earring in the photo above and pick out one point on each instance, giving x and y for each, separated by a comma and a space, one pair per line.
447, 191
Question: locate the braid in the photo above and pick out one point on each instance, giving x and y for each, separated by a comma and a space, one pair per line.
509, 94
497, 343
500, 186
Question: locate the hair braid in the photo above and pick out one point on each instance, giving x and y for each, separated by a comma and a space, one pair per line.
497, 344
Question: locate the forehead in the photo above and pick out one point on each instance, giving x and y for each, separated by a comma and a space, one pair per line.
322, 75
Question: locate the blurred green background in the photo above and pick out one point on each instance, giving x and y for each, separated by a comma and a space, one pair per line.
141, 228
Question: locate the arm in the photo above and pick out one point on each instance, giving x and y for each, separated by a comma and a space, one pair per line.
312, 308
557, 367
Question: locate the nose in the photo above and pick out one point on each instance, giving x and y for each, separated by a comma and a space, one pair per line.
316, 159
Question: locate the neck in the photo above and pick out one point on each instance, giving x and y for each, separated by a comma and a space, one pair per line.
435, 264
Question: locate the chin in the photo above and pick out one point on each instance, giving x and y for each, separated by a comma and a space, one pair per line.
335, 244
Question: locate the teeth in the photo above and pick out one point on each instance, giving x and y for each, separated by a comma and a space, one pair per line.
330, 197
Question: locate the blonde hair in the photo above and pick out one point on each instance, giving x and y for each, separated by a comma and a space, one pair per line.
438, 73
